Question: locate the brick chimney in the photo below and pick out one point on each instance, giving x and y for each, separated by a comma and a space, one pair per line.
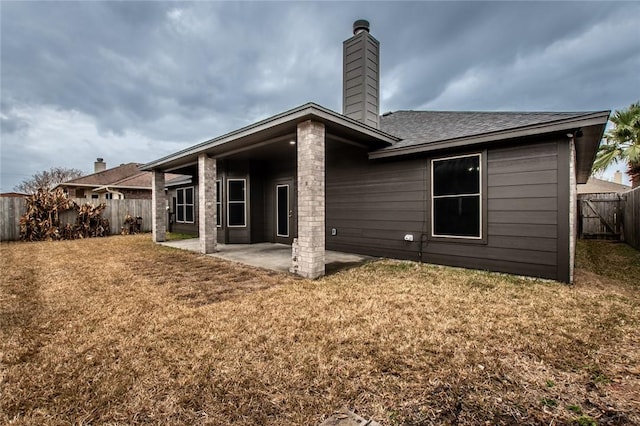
361, 82
99, 165
617, 177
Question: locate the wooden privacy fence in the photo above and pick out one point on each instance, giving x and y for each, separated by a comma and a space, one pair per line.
12, 208
611, 216
600, 215
631, 215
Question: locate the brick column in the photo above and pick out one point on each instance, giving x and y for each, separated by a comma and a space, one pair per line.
158, 207
311, 199
207, 231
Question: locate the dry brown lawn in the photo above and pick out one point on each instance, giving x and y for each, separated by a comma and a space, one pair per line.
122, 331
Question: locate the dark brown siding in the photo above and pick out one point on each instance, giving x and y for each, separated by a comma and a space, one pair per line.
237, 170
276, 173
256, 215
361, 83
563, 270
372, 205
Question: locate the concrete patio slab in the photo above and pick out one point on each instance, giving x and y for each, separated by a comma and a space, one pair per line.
276, 257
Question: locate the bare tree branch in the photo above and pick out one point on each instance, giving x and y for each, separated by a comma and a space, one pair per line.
47, 179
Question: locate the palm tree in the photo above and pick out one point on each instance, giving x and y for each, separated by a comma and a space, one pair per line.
622, 143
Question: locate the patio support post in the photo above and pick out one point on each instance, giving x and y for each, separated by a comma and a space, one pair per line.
207, 231
311, 199
158, 207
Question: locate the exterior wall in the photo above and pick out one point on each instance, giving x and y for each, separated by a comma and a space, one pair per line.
230, 169
138, 194
372, 205
129, 194
257, 215
281, 172
261, 178
183, 228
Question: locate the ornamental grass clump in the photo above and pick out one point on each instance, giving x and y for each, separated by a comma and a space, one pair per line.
51, 215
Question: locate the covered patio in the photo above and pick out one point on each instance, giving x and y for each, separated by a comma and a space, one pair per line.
276, 257
262, 184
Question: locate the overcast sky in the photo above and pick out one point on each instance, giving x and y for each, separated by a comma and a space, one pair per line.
134, 81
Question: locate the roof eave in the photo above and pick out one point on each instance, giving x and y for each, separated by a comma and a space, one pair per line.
306, 111
105, 187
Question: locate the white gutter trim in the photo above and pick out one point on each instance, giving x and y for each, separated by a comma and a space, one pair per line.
106, 187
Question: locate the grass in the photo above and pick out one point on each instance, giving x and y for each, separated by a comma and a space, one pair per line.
122, 331
172, 236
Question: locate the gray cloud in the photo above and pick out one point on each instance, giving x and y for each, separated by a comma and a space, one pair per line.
164, 75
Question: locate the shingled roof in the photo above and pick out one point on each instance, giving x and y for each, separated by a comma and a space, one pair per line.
420, 127
124, 176
109, 176
596, 186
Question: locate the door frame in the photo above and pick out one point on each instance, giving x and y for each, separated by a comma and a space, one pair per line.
292, 225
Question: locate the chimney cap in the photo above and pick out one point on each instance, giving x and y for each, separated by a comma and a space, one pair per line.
360, 25
99, 160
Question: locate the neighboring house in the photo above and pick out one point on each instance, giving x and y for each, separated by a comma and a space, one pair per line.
485, 190
599, 186
126, 181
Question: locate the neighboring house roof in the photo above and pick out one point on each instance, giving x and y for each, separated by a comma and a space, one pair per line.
139, 180
108, 176
596, 186
125, 176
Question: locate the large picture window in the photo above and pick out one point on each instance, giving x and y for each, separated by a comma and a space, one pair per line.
236, 202
218, 203
184, 205
456, 198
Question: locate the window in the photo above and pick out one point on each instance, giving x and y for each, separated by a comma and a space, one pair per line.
218, 203
456, 199
236, 202
184, 205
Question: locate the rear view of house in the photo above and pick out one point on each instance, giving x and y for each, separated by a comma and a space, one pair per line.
486, 190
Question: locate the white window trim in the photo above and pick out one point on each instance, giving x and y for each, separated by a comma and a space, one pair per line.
183, 206
244, 202
278, 210
219, 203
479, 195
